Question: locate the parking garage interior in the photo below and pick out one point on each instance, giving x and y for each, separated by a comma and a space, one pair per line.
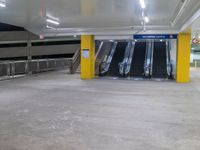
99, 75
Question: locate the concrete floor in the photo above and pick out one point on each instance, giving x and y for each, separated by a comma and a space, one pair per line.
55, 111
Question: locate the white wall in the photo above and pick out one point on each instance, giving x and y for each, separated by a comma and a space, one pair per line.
24, 37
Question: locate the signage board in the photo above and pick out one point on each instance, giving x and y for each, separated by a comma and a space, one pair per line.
85, 53
155, 36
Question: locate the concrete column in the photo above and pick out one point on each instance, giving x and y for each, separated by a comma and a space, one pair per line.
183, 58
87, 57
29, 44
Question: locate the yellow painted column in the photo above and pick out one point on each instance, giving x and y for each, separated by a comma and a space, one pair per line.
87, 57
183, 58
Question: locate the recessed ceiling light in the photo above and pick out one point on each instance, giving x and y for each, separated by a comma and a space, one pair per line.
2, 5
146, 19
52, 21
142, 3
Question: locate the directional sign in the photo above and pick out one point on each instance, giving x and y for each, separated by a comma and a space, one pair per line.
155, 36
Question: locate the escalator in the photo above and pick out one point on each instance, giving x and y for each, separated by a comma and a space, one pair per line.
102, 53
137, 66
97, 45
159, 67
105, 64
117, 58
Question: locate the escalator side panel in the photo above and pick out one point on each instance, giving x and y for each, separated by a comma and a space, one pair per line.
102, 55
117, 58
137, 66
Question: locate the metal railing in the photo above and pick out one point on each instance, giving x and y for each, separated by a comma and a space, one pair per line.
11, 69
75, 61
195, 64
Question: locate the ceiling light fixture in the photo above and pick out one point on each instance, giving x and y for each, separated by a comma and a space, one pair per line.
142, 3
52, 18
2, 4
49, 27
146, 19
52, 21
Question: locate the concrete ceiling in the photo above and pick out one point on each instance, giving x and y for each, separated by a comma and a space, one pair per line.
98, 16
196, 29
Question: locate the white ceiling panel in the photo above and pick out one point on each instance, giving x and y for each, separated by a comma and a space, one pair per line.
97, 16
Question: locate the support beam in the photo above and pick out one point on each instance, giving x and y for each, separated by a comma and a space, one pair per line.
87, 57
183, 58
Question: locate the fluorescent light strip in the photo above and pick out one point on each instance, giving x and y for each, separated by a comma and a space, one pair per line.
142, 3
2, 5
49, 27
146, 19
52, 21
52, 18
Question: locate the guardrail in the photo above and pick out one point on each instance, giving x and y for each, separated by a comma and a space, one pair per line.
75, 61
195, 64
11, 69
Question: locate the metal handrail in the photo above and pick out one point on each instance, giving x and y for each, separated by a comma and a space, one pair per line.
105, 65
75, 61
168, 60
152, 54
99, 49
148, 59
97, 60
125, 65
41, 65
130, 59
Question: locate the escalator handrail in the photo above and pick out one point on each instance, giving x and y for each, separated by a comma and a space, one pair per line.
151, 62
146, 62
124, 63
168, 59
99, 49
127, 67
105, 65
148, 58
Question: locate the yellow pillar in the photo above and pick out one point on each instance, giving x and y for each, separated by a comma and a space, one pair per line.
87, 57
183, 58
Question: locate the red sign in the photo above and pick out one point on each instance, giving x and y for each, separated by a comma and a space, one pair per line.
195, 41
